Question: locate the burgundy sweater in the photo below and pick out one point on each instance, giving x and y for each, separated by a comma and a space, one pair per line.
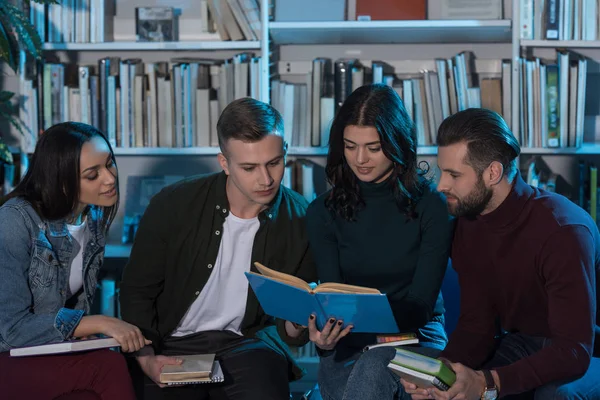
534, 262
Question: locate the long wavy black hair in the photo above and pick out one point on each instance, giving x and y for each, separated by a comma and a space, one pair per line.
377, 106
52, 181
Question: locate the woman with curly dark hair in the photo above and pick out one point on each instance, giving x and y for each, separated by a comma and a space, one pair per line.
382, 225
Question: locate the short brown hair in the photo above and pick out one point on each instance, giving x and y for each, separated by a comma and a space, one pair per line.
487, 136
248, 120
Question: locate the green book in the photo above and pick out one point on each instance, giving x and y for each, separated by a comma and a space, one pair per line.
421, 370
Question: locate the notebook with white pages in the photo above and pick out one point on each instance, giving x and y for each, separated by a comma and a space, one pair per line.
195, 369
65, 347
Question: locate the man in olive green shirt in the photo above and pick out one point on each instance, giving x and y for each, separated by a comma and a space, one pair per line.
184, 285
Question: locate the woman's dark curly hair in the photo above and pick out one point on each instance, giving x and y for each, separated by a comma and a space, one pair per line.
378, 106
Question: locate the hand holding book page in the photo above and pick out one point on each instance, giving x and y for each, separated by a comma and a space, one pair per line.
291, 298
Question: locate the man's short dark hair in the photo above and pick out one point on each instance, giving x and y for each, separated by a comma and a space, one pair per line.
487, 136
248, 120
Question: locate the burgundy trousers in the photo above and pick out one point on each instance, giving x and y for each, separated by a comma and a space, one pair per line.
93, 375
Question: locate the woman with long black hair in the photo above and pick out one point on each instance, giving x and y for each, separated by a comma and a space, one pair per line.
52, 239
382, 225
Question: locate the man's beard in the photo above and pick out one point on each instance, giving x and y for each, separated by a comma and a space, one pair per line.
474, 203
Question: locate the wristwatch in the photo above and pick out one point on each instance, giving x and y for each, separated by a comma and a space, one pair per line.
491, 390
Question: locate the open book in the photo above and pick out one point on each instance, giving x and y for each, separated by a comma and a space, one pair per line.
422, 370
291, 298
195, 369
65, 347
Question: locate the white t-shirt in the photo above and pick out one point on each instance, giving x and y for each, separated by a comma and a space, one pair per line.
221, 304
76, 274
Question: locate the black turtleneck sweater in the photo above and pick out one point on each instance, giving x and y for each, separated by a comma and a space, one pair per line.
384, 249
534, 263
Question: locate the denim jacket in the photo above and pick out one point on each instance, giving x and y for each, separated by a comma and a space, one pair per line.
35, 264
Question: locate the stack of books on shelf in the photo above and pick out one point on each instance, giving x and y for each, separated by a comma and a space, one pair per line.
559, 19
172, 103
552, 100
73, 21
299, 176
430, 95
93, 21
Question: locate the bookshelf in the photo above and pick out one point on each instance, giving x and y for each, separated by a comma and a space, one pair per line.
154, 46
204, 151
565, 44
390, 32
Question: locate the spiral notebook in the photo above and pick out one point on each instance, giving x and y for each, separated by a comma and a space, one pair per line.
195, 369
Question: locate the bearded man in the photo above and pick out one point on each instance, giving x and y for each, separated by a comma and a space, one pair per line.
528, 264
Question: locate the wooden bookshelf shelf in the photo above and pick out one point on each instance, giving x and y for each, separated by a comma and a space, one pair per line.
209, 151
385, 32
587, 148
573, 44
205, 151
166, 151
154, 46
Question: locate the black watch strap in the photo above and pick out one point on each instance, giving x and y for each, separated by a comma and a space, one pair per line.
489, 379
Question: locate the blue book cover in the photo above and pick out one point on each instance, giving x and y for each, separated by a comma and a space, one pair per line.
367, 312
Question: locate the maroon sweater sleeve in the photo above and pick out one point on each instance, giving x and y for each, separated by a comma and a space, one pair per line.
567, 268
472, 341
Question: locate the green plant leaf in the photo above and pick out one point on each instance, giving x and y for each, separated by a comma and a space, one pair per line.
8, 22
29, 39
5, 96
6, 53
9, 115
5, 154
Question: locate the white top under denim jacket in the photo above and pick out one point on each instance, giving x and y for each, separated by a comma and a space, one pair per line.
35, 262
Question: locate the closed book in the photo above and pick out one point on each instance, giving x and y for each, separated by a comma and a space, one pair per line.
195, 369
65, 347
373, 10
394, 340
291, 298
422, 370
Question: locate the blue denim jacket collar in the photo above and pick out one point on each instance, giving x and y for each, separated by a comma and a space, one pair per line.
45, 269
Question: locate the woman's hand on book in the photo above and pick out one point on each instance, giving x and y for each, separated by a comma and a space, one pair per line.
332, 332
129, 336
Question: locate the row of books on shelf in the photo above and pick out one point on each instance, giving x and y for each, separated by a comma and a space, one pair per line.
583, 190
73, 21
92, 21
553, 100
177, 103
368, 10
137, 104
429, 96
559, 19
